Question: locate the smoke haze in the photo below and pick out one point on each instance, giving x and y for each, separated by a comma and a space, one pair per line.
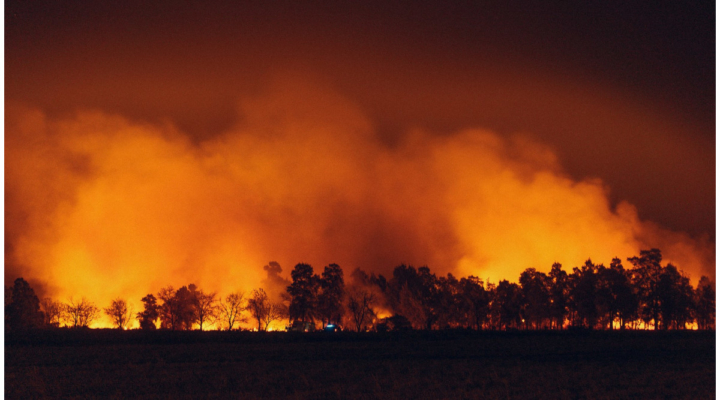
102, 206
172, 143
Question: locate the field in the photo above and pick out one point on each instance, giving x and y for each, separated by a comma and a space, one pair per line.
420, 365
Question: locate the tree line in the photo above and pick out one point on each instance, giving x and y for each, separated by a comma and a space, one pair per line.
592, 296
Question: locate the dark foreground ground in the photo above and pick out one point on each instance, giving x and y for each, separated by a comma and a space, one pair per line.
421, 365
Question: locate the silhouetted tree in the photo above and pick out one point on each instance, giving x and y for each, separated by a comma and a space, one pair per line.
414, 294
258, 305
402, 292
687, 308
705, 303
231, 309
676, 298
493, 311
119, 313
52, 311
150, 313
604, 297
622, 302
583, 295
177, 310
558, 292
536, 297
360, 303
23, 310
429, 297
263, 310
168, 309
409, 306
80, 313
593, 296
645, 278
332, 290
303, 293
506, 305
474, 302
275, 312
204, 307
446, 303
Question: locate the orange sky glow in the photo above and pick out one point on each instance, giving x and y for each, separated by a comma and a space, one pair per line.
139, 168
115, 208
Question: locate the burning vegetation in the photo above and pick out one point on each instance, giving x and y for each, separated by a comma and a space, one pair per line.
114, 208
647, 295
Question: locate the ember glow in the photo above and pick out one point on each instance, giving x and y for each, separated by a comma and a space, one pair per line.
121, 191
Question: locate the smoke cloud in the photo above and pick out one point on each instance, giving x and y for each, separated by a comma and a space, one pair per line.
100, 205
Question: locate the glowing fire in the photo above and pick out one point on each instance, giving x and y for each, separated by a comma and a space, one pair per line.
102, 207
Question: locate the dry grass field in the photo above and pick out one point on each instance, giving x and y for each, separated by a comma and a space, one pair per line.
410, 365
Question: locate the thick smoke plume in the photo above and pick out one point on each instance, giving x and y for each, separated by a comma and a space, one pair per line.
101, 206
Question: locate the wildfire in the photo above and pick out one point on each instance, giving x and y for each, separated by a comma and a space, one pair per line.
104, 207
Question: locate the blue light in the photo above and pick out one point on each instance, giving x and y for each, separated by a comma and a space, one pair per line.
331, 326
